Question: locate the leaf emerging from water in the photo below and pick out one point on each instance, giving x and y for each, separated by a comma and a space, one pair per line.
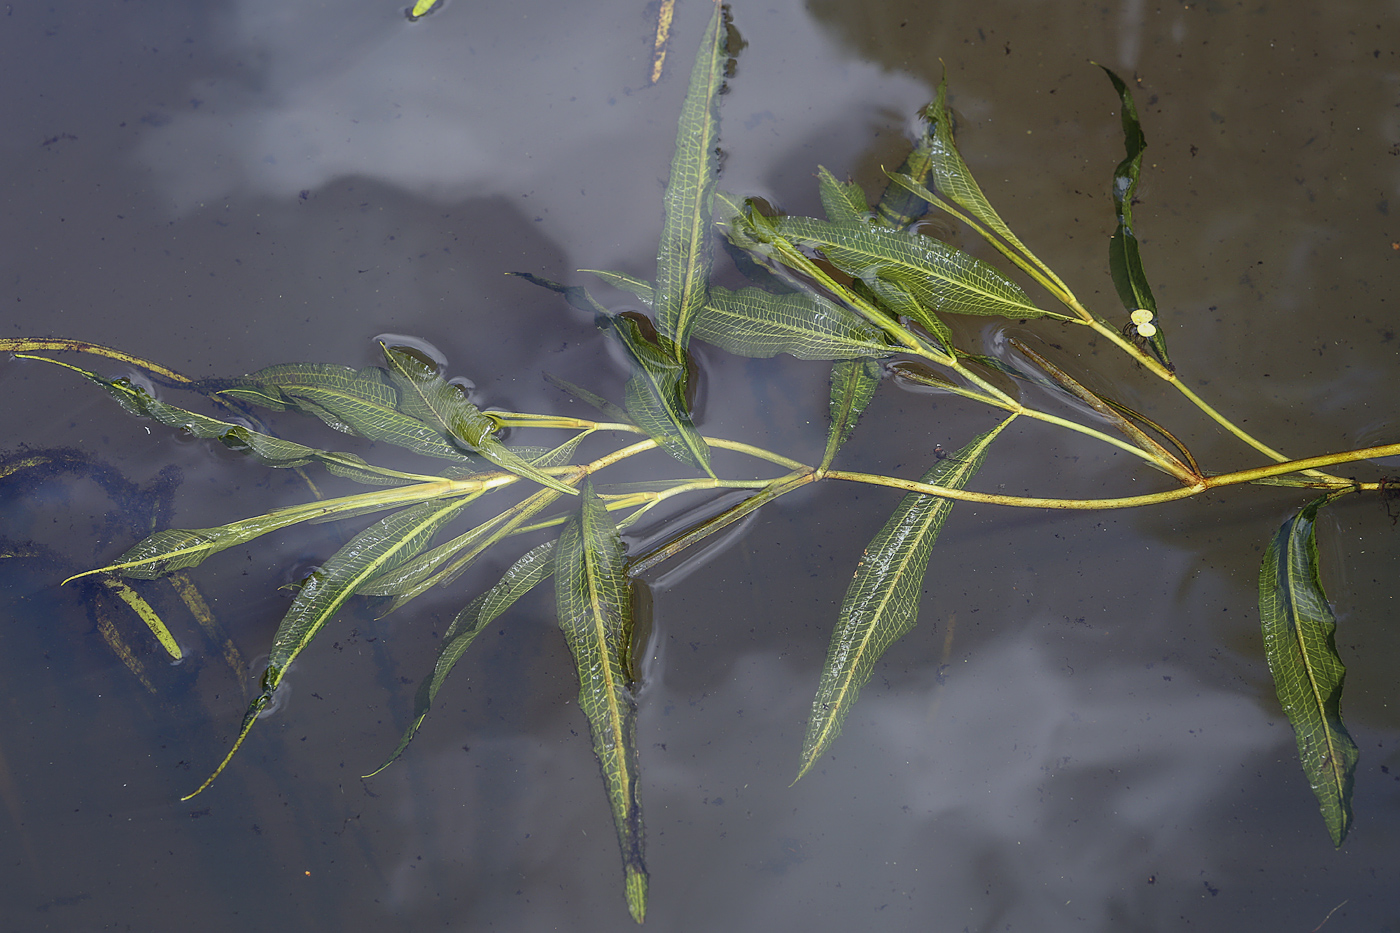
1300, 643
882, 602
595, 611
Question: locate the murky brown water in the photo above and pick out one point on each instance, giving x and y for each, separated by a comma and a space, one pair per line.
1080, 734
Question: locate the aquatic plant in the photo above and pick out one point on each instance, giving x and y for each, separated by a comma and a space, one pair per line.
860, 288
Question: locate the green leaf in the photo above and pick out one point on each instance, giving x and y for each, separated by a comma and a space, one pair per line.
656, 391
641, 288
942, 278
390, 541
882, 601
595, 611
757, 323
899, 207
427, 571
426, 395
853, 385
536, 566
950, 175
1300, 643
686, 253
272, 451
177, 548
842, 200
1124, 259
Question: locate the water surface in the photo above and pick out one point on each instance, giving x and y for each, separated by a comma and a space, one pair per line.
1080, 734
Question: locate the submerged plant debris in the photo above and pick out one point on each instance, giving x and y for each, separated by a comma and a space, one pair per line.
860, 288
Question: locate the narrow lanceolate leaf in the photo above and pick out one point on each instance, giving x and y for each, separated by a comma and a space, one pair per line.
685, 254
363, 402
535, 567
426, 395
757, 323
385, 544
177, 548
272, 451
943, 279
656, 392
146, 613
853, 384
1114, 414
1299, 642
841, 200
950, 175
1124, 258
882, 601
595, 611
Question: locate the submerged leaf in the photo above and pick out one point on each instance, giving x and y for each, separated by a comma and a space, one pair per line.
1300, 643
882, 601
1124, 259
272, 451
898, 206
756, 323
595, 611
657, 391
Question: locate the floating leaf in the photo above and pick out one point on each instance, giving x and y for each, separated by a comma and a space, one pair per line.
595, 611
882, 601
685, 253
853, 385
1124, 259
426, 395
1300, 643
943, 279
535, 567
